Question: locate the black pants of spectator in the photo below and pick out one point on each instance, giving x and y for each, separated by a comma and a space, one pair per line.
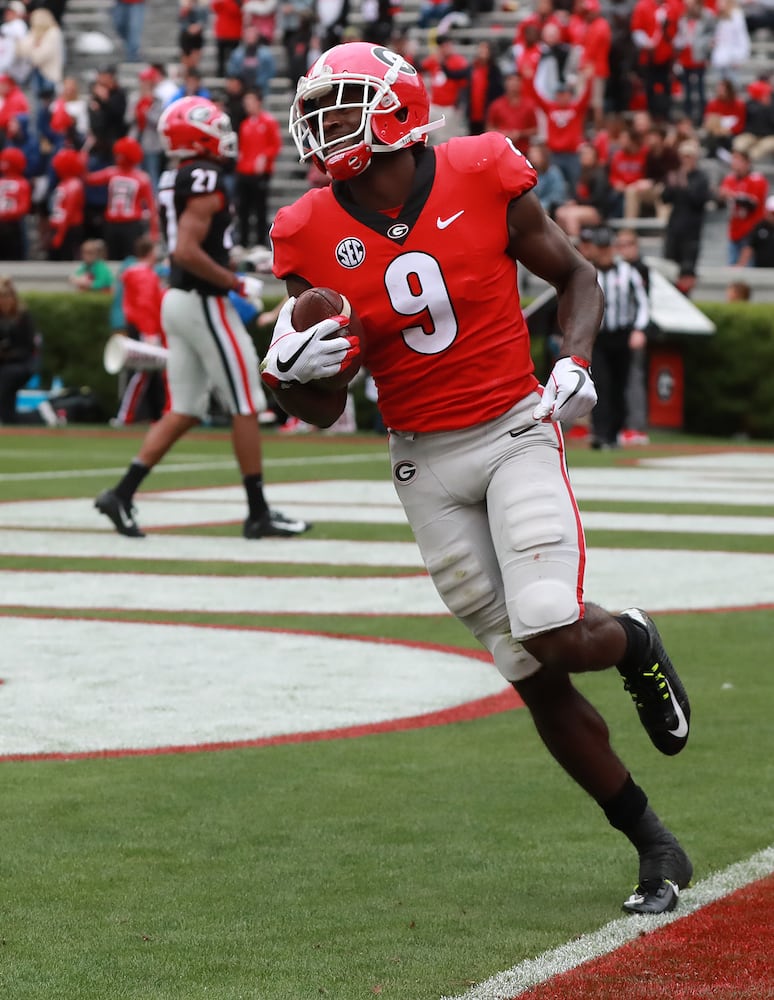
225, 47
120, 238
12, 241
297, 47
13, 376
252, 192
610, 368
70, 248
657, 79
683, 246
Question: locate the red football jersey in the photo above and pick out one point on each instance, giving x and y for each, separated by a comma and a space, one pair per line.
67, 204
143, 293
445, 338
747, 201
130, 195
14, 198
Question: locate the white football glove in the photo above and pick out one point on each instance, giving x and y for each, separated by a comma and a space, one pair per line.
305, 355
569, 392
250, 288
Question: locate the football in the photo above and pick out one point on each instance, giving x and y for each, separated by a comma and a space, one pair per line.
316, 304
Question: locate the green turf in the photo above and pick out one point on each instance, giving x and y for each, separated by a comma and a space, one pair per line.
405, 865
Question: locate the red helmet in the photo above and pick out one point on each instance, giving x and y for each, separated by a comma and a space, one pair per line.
382, 85
12, 160
68, 163
194, 126
128, 152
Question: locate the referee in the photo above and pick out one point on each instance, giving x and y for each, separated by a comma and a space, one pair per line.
623, 328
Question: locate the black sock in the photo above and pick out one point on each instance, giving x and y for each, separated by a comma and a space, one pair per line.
256, 501
626, 807
131, 481
637, 644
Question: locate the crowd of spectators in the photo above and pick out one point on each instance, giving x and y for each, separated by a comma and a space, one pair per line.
629, 109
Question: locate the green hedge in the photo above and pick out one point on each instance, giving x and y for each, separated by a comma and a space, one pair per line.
729, 377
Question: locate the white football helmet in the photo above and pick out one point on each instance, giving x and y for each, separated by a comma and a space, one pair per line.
387, 90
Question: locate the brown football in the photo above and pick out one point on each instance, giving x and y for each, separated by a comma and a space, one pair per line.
316, 304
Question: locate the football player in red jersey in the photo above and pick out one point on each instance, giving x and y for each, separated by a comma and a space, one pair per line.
15, 200
131, 206
209, 347
67, 206
425, 242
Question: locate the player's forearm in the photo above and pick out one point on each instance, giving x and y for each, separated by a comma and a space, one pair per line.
199, 263
579, 314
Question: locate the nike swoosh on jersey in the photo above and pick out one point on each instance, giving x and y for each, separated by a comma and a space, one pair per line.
285, 366
444, 223
515, 434
682, 722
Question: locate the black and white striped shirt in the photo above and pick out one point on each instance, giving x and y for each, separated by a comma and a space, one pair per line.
626, 300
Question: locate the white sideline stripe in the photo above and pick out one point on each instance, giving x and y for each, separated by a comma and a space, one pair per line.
206, 466
617, 578
209, 548
510, 984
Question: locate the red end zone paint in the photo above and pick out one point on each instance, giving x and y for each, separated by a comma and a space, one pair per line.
724, 951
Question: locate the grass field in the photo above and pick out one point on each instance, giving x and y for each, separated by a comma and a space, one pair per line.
408, 864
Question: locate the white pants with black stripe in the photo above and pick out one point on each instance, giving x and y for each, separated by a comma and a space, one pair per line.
209, 350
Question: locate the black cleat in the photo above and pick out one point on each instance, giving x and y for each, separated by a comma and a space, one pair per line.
657, 896
111, 505
273, 524
665, 869
658, 692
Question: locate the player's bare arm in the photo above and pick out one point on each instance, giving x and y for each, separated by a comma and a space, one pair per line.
193, 226
316, 406
542, 247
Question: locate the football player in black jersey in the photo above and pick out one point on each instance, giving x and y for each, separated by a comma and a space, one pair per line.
209, 347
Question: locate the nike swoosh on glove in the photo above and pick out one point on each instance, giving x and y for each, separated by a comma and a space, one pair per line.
305, 355
569, 392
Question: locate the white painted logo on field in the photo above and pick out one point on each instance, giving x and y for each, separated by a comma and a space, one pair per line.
74, 686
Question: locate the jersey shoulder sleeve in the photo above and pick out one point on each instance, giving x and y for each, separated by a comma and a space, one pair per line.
494, 155
287, 232
199, 177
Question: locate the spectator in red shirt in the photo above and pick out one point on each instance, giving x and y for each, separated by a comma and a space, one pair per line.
527, 54
259, 144
15, 200
512, 115
543, 14
653, 27
142, 292
447, 73
67, 206
595, 43
725, 117
626, 170
485, 86
131, 205
565, 122
744, 190
14, 110
227, 29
